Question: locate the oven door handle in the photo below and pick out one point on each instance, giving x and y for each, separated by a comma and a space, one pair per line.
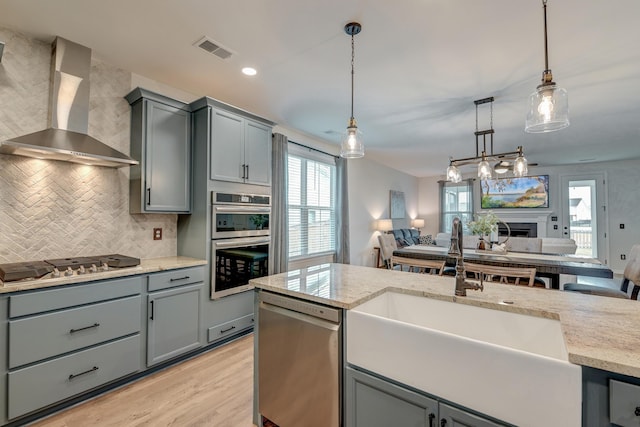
241, 210
235, 243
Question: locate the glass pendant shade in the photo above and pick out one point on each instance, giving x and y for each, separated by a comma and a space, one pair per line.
548, 109
453, 174
484, 169
352, 145
520, 168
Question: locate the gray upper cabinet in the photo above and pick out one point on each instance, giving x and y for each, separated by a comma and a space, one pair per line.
240, 143
161, 142
240, 149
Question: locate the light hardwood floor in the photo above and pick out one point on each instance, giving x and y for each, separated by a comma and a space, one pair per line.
213, 389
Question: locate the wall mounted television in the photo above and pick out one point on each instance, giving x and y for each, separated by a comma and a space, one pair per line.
506, 193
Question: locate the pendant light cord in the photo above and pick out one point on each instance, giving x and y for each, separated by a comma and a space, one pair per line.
546, 50
352, 72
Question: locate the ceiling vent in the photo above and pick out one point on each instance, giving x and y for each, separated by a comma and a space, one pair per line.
213, 47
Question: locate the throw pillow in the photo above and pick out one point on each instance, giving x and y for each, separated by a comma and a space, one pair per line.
427, 240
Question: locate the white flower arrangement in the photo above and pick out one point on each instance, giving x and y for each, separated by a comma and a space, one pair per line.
483, 224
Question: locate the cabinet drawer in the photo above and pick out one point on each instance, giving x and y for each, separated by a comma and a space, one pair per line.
40, 385
230, 328
55, 299
624, 404
68, 330
174, 278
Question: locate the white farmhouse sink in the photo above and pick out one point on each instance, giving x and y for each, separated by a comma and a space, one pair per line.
507, 365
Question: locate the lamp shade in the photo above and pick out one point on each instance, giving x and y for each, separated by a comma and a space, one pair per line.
548, 109
418, 223
352, 145
484, 169
385, 225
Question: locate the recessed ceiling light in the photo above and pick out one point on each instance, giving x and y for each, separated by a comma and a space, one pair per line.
249, 71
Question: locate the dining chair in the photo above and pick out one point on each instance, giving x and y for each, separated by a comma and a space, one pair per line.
388, 245
629, 287
504, 274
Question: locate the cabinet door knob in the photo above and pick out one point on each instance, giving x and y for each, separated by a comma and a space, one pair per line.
637, 411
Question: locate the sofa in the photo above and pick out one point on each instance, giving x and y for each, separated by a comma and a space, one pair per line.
409, 236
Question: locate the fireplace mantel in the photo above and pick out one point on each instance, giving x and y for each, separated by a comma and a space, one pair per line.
539, 217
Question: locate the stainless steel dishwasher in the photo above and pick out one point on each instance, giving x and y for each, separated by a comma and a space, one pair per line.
299, 362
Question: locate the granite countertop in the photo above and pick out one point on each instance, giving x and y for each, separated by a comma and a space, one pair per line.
599, 332
150, 265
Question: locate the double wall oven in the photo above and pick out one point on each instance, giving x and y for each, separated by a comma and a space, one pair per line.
240, 241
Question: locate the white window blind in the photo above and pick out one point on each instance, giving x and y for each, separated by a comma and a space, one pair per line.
456, 200
311, 205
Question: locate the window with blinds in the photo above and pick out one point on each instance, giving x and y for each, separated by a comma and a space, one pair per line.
456, 200
311, 206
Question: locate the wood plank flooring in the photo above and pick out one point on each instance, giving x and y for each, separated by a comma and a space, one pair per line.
214, 389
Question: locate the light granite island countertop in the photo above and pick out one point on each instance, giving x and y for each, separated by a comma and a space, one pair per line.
599, 332
149, 265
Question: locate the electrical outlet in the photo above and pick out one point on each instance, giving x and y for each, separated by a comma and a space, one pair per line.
623, 257
157, 234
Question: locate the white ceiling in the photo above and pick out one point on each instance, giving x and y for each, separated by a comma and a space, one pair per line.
419, 64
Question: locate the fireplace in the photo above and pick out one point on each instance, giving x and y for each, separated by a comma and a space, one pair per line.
519, 229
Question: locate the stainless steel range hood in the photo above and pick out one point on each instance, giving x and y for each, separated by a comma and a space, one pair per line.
66, 138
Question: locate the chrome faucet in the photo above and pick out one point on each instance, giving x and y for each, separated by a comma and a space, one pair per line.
455, 250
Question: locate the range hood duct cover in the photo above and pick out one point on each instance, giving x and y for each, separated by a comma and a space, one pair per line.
66, 138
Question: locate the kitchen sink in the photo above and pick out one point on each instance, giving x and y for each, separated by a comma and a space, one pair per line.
510, 366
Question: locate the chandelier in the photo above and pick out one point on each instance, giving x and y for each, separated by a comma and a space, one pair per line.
512, 160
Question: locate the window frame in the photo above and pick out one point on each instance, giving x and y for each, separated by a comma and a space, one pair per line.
464, 215
307, 155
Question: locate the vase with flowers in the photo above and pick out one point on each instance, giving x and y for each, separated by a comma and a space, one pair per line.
484, 225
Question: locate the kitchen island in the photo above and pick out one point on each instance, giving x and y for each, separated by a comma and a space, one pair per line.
600, 334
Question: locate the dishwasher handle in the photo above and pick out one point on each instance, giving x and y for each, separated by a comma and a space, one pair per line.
326, 324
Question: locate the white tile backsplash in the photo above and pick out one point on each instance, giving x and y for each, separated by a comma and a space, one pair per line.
56, 209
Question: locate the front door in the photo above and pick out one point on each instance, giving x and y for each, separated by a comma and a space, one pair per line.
584, 214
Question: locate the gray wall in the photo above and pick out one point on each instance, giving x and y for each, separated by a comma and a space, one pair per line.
56, 209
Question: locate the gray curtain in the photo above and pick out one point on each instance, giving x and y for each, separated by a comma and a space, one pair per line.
279, 257
342, 212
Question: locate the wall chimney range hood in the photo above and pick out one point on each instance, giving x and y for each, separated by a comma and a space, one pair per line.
66, 138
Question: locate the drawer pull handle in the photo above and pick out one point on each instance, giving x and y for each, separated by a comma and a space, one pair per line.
222, 331
637, 412
73, 331
179, 278
73, 376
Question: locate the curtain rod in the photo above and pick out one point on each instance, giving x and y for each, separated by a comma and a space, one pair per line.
314, 149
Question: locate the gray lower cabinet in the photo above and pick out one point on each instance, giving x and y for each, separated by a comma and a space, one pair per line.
68, 340
37, 386
374, 402
161, 142
173, 314
451, 416
228, 316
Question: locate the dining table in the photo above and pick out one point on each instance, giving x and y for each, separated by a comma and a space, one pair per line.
551, 266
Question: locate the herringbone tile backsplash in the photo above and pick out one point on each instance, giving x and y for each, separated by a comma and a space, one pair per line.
56, 209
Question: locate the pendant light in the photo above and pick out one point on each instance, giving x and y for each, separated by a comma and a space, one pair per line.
484, 168
453, 173
549, 104
352, 146
520, 167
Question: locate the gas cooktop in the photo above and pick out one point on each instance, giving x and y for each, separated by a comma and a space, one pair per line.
50, 268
